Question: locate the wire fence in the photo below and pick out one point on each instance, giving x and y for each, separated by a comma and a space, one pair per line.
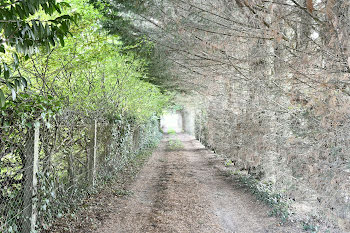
46, 172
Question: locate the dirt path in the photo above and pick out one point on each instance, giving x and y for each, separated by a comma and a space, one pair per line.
183, 191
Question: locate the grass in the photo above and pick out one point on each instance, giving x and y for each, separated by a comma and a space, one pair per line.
171, 132
175, 144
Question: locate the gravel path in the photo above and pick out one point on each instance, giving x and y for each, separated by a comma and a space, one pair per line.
183, 190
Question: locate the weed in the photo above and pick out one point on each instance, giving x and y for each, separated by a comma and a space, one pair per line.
228, 163
175, 144
309, 227
263, 192
171, 132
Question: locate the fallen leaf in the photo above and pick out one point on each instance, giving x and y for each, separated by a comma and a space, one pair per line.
310, 5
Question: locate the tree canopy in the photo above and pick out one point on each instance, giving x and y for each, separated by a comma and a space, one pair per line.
24, 27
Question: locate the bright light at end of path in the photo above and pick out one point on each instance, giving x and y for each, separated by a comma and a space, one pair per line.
171, 121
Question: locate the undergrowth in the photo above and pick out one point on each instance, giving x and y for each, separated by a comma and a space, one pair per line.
84, 214
263, 192
175, 144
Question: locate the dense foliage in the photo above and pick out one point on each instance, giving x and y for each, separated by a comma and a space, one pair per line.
273, 77
127, 20
88, 94
23, 30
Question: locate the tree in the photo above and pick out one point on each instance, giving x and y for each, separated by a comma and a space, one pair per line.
273, 77
24, 27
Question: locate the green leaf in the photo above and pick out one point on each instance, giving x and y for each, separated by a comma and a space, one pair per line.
37, 124
20, 12
35, 29
2, 48
2, 98
52, 41
64, 4
6, 71
13, 91
60, 37
16, 61
24, 82
9, 85
64, 26
29, 125
57, 8
17, 84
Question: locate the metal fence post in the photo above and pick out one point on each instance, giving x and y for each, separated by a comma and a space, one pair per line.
35, 173
30, 188
94, 158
